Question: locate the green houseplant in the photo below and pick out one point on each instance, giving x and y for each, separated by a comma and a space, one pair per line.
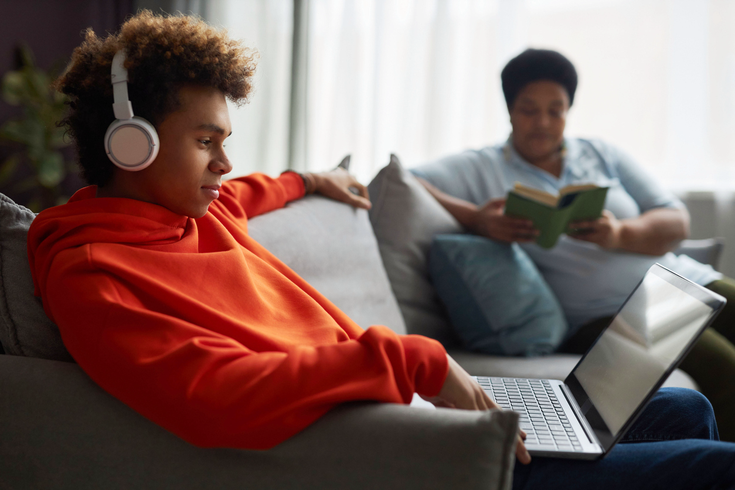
36, 164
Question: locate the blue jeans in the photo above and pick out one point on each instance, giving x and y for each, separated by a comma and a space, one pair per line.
673, 445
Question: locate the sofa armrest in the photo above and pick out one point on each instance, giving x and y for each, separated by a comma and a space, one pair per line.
59, 430
706, 251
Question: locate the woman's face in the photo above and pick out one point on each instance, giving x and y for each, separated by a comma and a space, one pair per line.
538, 117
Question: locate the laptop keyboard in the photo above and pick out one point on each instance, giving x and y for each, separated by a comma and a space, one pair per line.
541, 414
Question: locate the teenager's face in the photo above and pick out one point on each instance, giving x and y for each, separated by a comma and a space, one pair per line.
538, 117
187, 173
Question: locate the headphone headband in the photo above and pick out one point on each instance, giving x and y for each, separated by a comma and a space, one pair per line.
130, 142
122, 106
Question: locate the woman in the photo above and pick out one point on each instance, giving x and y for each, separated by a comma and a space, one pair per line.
593, 269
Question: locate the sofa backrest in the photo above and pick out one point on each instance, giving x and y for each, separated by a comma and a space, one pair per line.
25, 330
332, 246
329, 244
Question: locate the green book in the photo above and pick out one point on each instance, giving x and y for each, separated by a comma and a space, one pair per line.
551, 214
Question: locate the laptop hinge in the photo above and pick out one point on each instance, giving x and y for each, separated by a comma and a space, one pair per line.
580, 417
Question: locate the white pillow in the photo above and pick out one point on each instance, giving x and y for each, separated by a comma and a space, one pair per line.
405, 219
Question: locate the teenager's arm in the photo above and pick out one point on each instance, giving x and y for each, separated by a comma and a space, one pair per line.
214, 391
255, 194
258, 193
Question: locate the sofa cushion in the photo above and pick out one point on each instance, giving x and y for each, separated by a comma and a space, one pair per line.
25, 330
497, 300
405, 219
332, 246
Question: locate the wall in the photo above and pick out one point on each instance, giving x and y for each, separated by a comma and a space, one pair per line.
52, 29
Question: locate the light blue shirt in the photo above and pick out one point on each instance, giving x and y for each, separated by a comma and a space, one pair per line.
589, 281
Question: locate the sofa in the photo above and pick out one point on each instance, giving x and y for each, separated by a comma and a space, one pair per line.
59, 430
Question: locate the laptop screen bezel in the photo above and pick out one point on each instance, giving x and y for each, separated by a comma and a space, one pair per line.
605, 437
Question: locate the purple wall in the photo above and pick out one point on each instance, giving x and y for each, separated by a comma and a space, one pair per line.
52, 29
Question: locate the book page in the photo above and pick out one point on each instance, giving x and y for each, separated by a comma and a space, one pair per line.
576, 188
535, 194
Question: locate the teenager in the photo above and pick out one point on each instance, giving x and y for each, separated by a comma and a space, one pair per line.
166, 302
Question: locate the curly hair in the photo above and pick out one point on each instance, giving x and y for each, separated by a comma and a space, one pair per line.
162, 54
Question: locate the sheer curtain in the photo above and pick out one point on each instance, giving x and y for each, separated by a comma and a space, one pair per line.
421, 78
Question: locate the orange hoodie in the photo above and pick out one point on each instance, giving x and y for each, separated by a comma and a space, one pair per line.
200, 329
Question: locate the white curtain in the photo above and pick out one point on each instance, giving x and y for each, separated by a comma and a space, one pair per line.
421, 78
261, 128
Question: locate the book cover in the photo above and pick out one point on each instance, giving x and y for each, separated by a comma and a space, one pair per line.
551, 214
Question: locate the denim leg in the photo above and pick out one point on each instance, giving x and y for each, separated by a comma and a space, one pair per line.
675, 413
696, 461
688, 464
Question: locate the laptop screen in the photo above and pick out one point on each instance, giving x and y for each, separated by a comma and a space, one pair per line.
645, 342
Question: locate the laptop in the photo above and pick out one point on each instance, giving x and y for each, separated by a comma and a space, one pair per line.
584, 416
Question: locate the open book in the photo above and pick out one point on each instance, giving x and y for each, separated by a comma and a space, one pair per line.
551, 214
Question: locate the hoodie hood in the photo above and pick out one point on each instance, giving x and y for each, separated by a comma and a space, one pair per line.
86, 219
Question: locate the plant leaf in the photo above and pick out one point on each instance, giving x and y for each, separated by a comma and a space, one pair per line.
39, 82
14, 131
51, 169
26, 55
14, 87
59, 139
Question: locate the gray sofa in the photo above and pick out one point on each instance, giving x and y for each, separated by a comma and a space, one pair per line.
59, 430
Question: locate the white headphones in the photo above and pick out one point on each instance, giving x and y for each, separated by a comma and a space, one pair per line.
131, 142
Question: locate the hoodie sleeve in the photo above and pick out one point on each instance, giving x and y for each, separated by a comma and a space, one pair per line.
255, 194
214, 391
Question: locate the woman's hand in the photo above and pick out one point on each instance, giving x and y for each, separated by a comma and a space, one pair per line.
605, 231
489, 221
461, 391
337, 185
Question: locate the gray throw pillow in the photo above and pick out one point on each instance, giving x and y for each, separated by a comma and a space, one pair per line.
25, 330
405, 219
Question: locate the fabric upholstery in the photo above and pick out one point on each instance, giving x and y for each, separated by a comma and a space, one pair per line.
332, 247
405, 219
61, 431
497, 300
25, 330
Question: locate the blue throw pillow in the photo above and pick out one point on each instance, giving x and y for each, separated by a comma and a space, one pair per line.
496, 298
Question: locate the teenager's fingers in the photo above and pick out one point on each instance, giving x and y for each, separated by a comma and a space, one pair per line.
355, 200
359, 202
522, 452
361, 189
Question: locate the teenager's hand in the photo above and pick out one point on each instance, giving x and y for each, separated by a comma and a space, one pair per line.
490, 222
604, 231
336, 185
461, 391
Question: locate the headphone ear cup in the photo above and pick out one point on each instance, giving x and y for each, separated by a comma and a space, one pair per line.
131, 144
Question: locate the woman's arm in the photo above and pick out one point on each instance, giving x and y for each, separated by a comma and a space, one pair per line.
487, 220
654, 232
663, 221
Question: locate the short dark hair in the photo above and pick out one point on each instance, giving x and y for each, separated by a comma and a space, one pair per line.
537, 64
163, 53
